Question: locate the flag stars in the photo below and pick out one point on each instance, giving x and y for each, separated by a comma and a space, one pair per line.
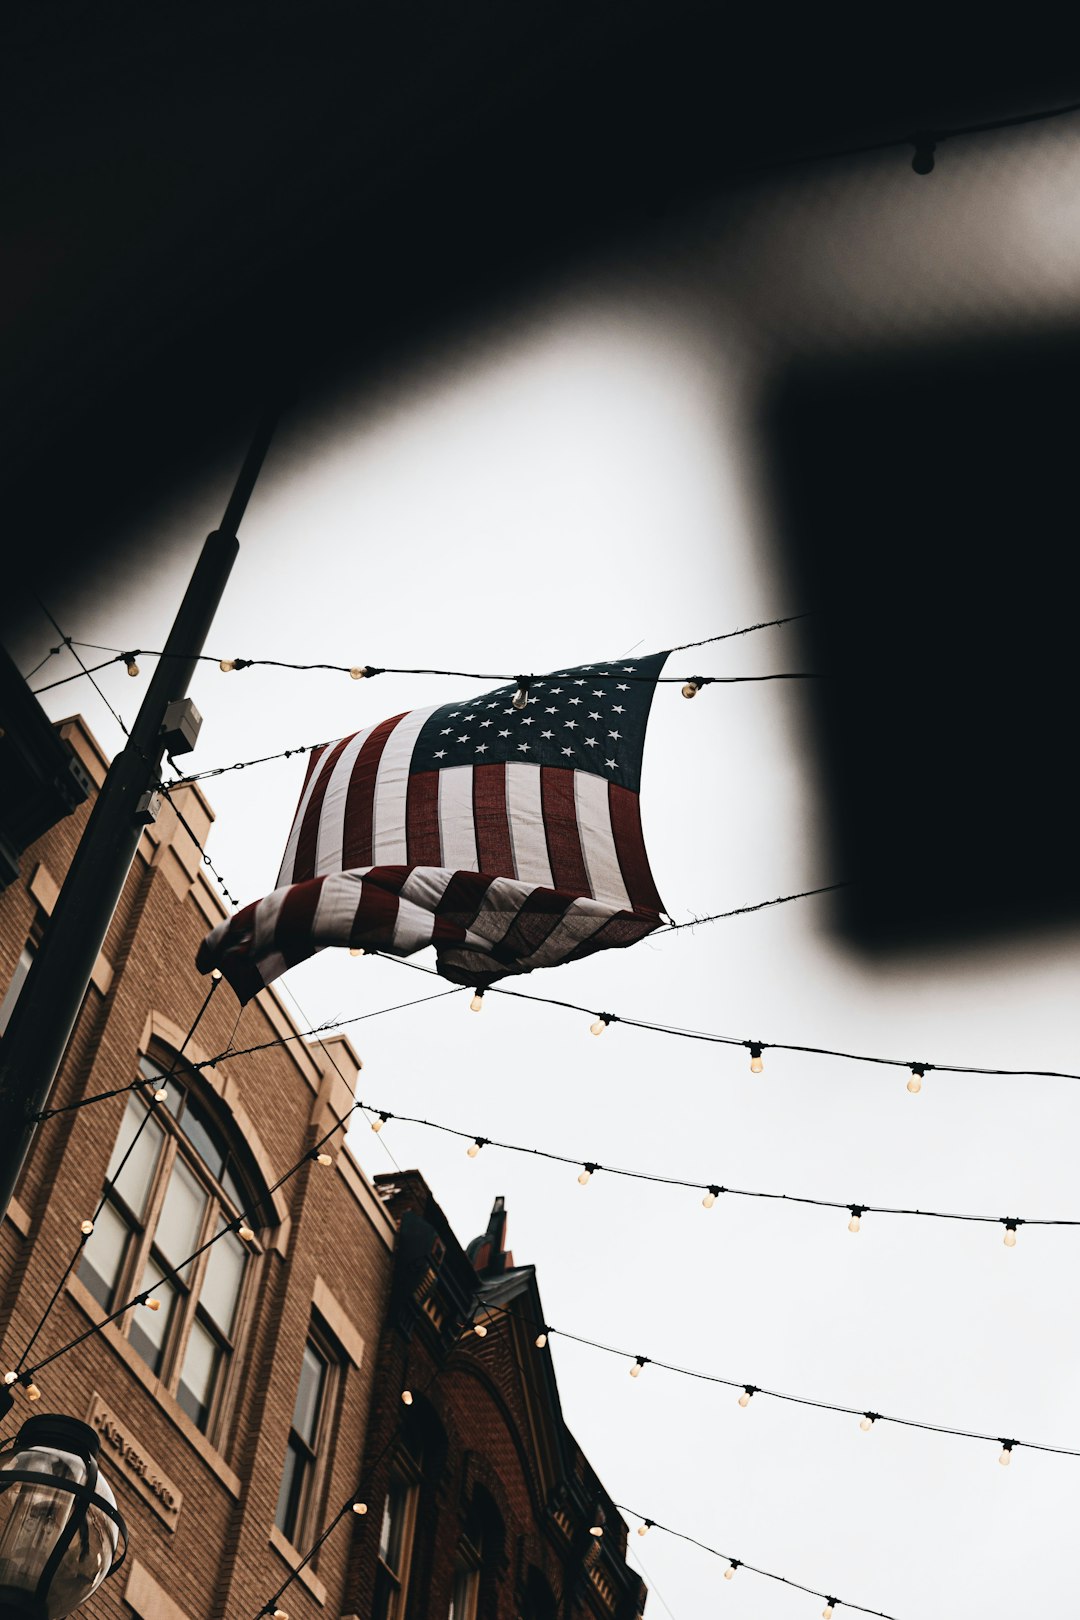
579, 683
628, 669
575, 700
470, 717
484, 723
553, 709
504, 734
600, 693
591, 741
527, 720
594, 714
571, 723
616, 734
481, 748
446, 730
621, 686
617, 708
547, 734
464, 738
523, 748
556, 688
440, 753
610, 763
568, 752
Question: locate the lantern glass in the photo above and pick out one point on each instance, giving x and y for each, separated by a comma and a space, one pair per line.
57, 1541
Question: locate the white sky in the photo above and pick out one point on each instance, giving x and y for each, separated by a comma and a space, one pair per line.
568, 486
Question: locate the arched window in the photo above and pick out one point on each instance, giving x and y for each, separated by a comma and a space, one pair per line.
180, 1186
417, 1462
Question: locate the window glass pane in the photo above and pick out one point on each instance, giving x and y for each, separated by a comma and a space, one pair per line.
221, 1284
289, 1494
103, 1255
309, 1395
393, 1526
181, 1218
133, 1181
199, 1375
232, 1187
203, 1136
18, 979
149, 1328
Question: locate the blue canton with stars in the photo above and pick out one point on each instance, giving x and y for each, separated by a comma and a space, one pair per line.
591, 718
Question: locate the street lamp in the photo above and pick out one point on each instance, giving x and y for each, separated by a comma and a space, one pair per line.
59, 1523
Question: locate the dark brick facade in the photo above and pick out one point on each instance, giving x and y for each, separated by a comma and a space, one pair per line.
498, 1462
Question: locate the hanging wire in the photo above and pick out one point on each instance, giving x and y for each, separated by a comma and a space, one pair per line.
90, 673
740, 1563
627, 1356
715, 1189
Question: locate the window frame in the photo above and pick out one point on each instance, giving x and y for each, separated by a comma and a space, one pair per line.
141, 1248
320, 1454
392, 1586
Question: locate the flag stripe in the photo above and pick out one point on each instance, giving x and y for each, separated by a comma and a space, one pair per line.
531, 863
328, 853
299, 862
292, 932
560, 823
597, 840
360, 806
422, 819
625, 810
455, 818
494, 849
389, 839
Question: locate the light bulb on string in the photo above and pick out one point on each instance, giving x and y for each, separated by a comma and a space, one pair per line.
480, 1330
11, 1378
857, 1212
867, 1421
227, 665
356, 950
710, 1197
358, 671
129, 660
322, 1158
639, 1362
1006, 1452
377, 1124
245, 1232
729, 1573
749, 1390
477, 1002
693, 686
756, 1064
475, 1145
827, 1611
215, 975
1010, 1226
602, 1022
86, 1227
406, 1397
541, 1338
521, 696
914, 1084
359, 1508
152, 1304
161, 1095
596, 1530
32, 1392
586, 1173
645, 1526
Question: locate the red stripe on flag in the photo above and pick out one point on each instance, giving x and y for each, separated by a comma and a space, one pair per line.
459, 906
313, 759
308, 842
377, 912
625, 808
422, 841
295, 920
360, 804
494, 851
561, 826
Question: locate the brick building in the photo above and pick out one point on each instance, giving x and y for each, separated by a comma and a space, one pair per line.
233, 1407
232, 1417
488, 1508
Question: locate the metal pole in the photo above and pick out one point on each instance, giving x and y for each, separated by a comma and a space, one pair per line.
44, 1015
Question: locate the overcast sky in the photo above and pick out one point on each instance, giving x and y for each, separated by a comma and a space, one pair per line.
577, 482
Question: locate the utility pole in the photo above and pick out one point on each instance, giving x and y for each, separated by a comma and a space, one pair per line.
41, 1022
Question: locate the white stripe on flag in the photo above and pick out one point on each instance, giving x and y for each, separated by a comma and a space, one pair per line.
500, 909
593, 811
288, 862
270, 963
420, 894
389, 846
339, 901
457, 829
331, 839
579, 922
526, 817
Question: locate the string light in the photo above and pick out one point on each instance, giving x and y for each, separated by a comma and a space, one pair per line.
596, 1530
918, 1070
11, 1378
480, 1330
131, 665
644, 1527
32, 1392
586, 1173
729, 1573
693, 686
639, 1362
474, 1147
152, 1304
86, 1227
356, 950
756, 1063
406, 1397
868, 1420
749, 1391
602, 1022
227, 665
1006, 1452
827, 1611
521, 696
246, 1233
383, 1116
857, 1212
358, 671
477, 1002
710, 1197
322, 1158
1010, 1226
359, 1507
161, 1095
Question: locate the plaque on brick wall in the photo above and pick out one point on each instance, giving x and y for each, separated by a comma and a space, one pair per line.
132, 1461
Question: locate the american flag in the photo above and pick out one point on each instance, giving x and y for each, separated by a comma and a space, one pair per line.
509, 839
